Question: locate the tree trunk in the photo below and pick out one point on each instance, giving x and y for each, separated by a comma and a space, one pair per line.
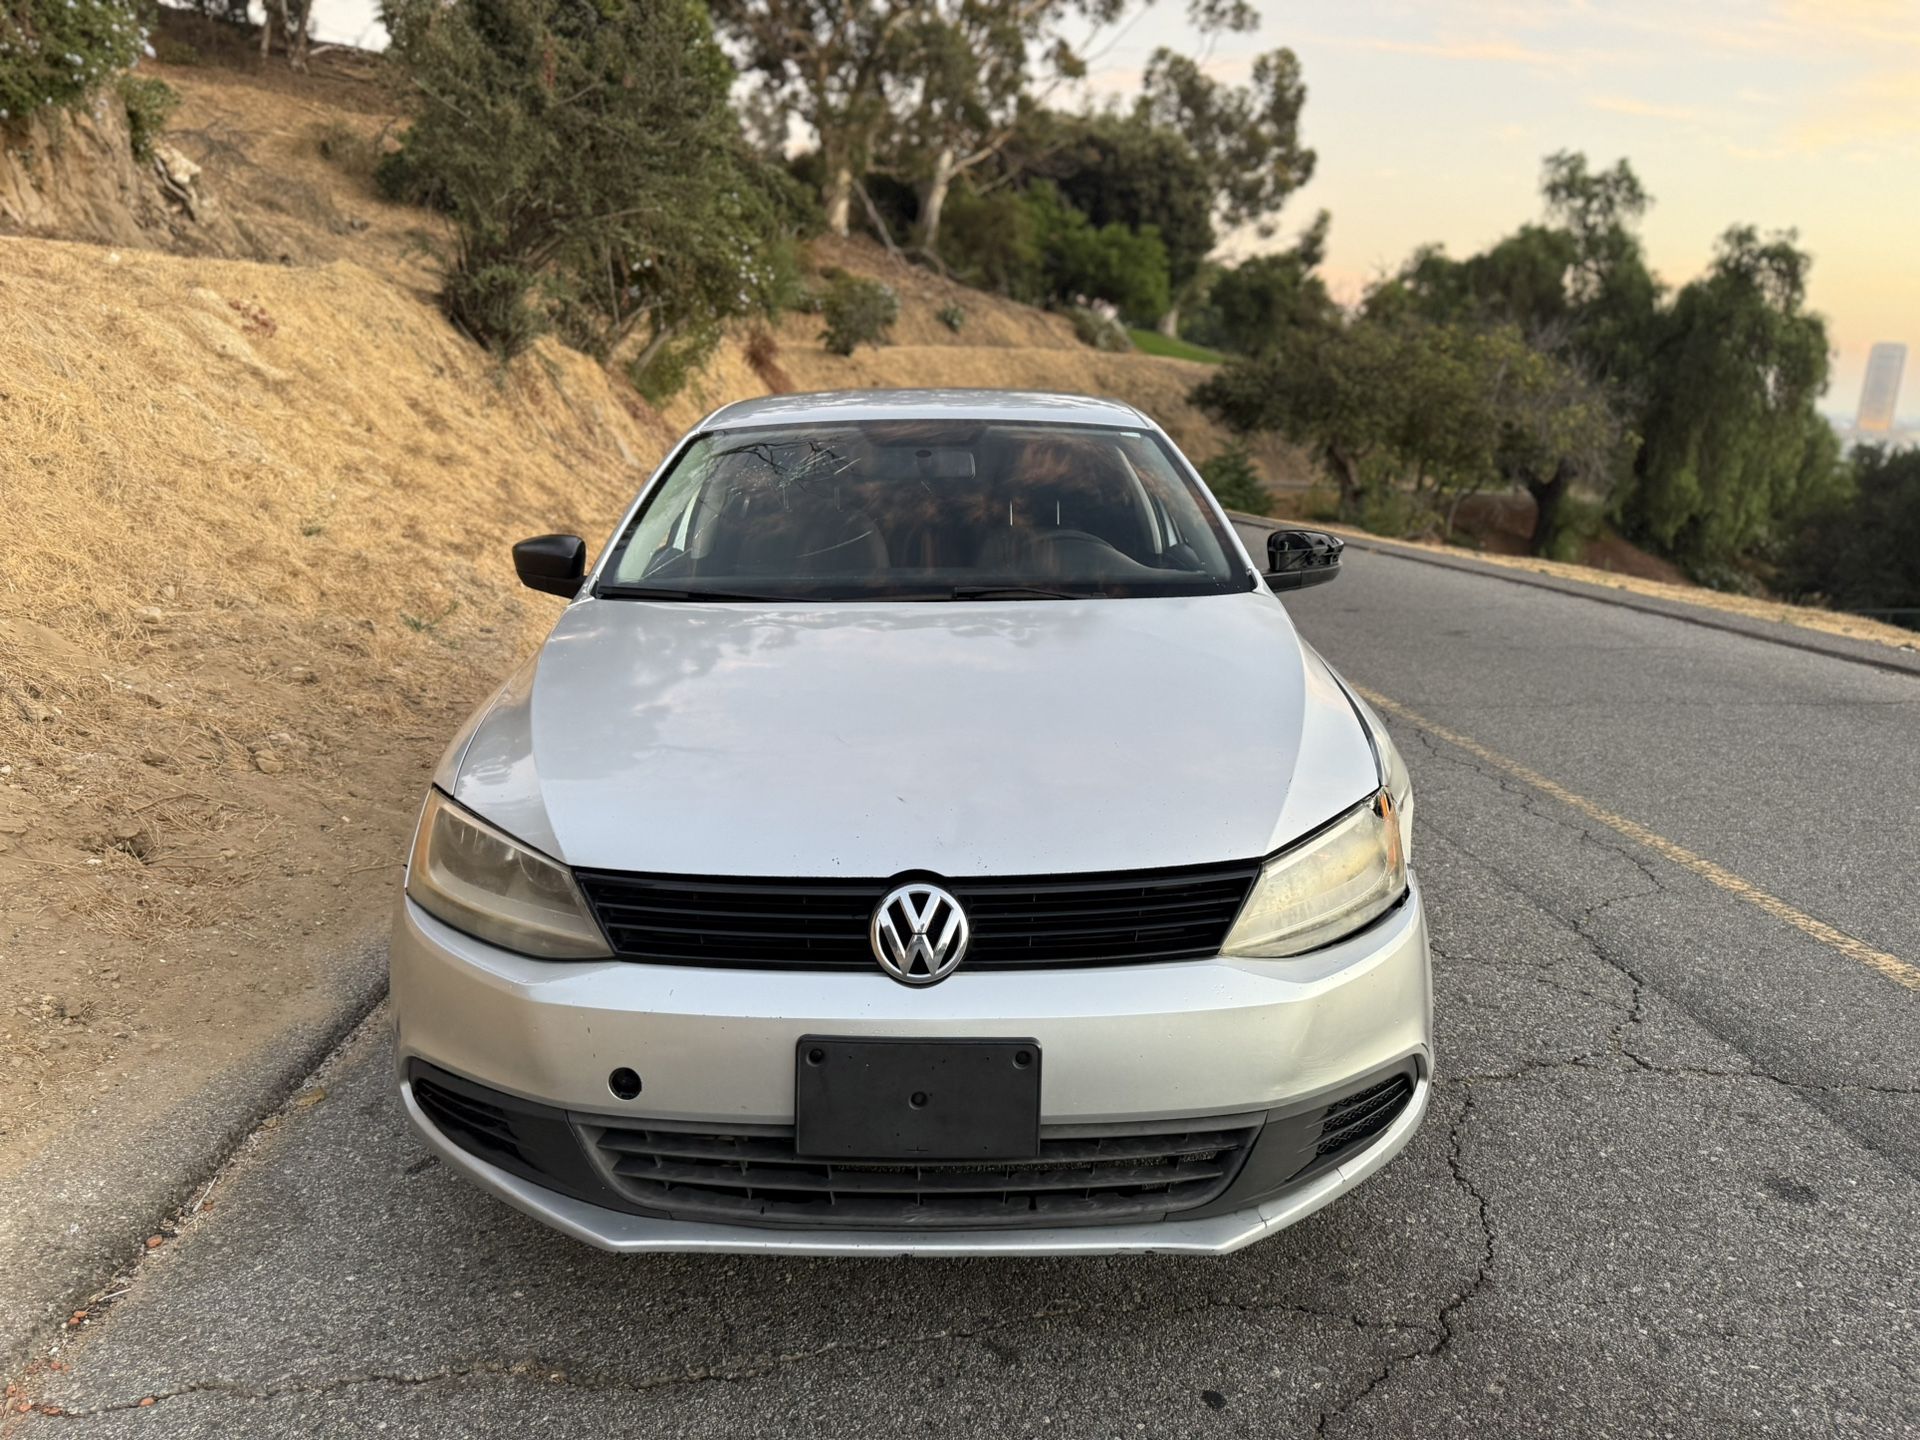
839, 198
1346, 475
656, 342
297, 13
1170, 322
1547, 497
933, 199
266, 29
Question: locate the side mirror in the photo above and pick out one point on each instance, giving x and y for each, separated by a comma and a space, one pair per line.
1299, 558
552, 563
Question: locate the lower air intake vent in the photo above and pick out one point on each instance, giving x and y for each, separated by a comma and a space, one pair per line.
471, 1123
1348, 1124
1083, 1175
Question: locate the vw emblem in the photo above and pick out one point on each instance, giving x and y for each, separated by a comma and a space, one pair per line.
919, 934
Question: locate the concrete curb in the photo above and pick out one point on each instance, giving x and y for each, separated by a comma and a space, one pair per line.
1797, 637
81, 1210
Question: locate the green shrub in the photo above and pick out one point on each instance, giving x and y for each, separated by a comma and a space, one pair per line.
346, 147
953, 317
1577, 522
588, 159
665, 372
169, 51
1101, 331
858, 312
496, 304
149, 103
1127, 268
989, 242
1387, 510
1035, 247
57, 52
1321, 502
1235, 480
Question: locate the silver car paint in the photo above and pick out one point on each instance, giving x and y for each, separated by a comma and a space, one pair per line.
976, 738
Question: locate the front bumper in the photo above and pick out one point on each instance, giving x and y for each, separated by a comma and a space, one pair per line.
1151, 1042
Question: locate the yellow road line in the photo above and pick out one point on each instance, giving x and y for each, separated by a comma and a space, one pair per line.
1892, 966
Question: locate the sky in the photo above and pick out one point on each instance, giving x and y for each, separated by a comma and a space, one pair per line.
1431, 120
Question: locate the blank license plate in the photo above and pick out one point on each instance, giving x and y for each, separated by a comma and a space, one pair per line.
917, 1099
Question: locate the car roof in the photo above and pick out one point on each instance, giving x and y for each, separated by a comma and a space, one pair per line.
1027, 406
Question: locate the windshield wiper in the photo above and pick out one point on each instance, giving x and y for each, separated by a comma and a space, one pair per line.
1015, 592
668, 592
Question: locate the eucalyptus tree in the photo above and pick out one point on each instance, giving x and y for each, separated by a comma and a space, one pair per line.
1247, 137
930, 88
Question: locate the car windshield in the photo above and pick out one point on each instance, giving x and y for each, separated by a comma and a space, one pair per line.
923, 510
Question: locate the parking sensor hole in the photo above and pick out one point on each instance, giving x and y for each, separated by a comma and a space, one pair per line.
624, 1083
918, 1100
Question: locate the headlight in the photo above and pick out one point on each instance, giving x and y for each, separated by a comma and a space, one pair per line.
481, 880
1326, 887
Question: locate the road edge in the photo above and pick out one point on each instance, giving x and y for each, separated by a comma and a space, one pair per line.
1796, 637
83, 1208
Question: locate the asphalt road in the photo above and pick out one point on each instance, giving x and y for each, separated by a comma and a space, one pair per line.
1669, 1186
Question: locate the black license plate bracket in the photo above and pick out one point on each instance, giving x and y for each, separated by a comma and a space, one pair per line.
908, 1100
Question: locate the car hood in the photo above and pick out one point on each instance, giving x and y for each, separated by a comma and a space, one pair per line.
1009, 738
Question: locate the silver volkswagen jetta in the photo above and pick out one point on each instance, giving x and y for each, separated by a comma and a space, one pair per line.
923, 831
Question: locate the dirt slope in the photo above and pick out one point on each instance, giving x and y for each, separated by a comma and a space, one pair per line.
255, 540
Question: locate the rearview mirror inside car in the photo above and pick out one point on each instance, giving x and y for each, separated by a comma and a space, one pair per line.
1299, 558
552, 563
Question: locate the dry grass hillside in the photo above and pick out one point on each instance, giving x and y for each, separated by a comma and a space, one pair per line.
258, 499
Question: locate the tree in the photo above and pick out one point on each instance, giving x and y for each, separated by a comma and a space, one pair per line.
1033, 246
1859, 548
1559, 427
1233, 476
1440, 411
586, 155
1080, 260
830, 62
1732, 441
949, 77
294, 17
1335, 391
1250, 308
1247, 138
964, 94
1123, 170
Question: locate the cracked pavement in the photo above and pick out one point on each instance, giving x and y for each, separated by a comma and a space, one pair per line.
1668, 1185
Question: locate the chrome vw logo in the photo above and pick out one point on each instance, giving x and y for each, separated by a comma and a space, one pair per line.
919, 934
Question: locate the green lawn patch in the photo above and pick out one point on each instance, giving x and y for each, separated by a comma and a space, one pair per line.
1154, 343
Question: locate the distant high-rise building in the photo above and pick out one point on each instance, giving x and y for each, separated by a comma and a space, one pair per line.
1880, 395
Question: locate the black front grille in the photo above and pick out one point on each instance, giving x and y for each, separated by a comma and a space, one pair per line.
1083, 1175
1102, 919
